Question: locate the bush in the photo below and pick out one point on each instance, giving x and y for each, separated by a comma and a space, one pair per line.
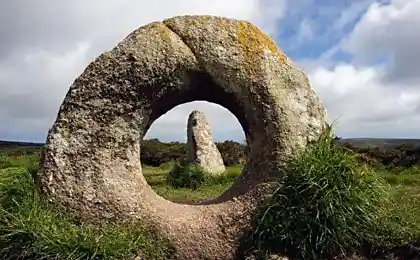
155, 153
188, 176
232, 152
193, 176
390, 157
327, 205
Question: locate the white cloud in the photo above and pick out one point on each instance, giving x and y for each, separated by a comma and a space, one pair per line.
350, 14
305, 32
389, 32
49, 43
32, 83
362, 103
318, 22
374, 98
32, 90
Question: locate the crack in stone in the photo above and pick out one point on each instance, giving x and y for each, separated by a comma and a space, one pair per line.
199, 60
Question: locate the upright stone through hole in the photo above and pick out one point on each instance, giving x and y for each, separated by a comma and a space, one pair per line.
200, 142
201, 149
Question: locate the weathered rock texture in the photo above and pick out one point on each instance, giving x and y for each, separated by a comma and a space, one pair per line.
91, 162
202, 151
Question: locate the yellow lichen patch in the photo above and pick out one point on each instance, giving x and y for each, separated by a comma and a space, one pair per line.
255, 43
202, 19
164, 33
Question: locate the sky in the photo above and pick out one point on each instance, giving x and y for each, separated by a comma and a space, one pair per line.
362, 58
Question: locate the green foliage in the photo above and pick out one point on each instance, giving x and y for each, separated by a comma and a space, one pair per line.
393, 157
404, 176
188, 176
155, 153
20, 151
232, 152
229, 176
30, 228
390, 154
210, 188
193, 176
327, 204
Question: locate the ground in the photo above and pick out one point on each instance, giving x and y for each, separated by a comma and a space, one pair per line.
32, 229
156, 177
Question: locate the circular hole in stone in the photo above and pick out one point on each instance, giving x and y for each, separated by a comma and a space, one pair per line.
189, 166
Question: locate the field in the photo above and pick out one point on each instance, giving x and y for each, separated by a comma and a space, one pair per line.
375, 213
156, 177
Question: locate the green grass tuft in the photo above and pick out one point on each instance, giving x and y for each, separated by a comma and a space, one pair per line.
30, 228
328, 205
188, 176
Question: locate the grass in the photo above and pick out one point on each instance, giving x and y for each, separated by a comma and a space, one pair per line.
407, 177
210, 187
328, 205
30, 228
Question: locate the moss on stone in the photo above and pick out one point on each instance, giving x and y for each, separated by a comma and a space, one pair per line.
255, 43
164, 33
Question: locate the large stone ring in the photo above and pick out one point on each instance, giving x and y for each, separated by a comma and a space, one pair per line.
91, 162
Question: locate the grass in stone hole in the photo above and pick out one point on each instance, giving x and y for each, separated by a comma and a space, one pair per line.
206, 186
193, 176
329, 205
30, 228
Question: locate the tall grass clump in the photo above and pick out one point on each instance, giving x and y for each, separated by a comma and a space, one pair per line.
327, 205
31, 228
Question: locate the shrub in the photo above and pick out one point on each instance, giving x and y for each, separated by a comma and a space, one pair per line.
193, 176
155, 153
390, 157
185, 176
327, 205
232, 152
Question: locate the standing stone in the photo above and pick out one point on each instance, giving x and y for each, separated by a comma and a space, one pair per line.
202, 151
